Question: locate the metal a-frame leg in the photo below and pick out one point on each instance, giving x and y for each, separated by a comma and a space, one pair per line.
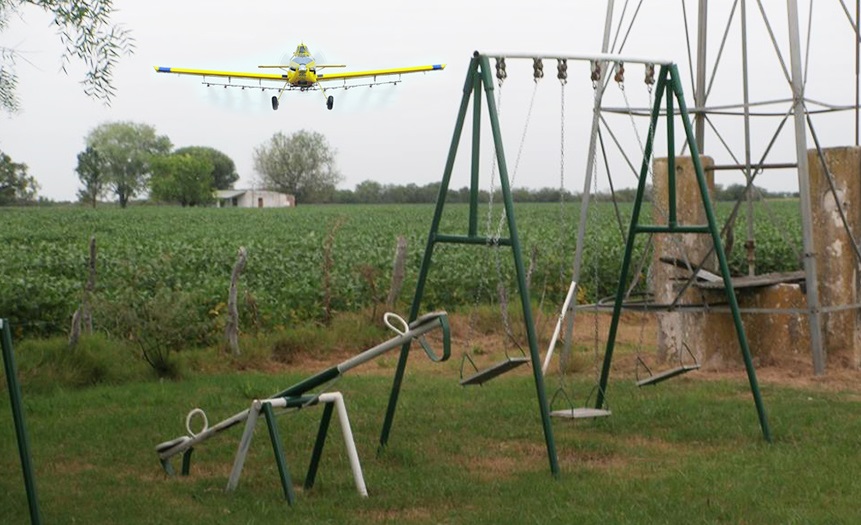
675, 93
318, 446
478, 77
278, 450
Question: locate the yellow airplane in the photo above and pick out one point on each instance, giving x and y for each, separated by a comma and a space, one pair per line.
300, 74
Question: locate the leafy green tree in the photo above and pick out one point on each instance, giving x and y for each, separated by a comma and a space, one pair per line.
736, 192
223, 168
85, 29
182, 178
126, 149
92, 175
16, 186
369, 192
302, 164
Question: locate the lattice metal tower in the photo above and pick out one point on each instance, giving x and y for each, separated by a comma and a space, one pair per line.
781, 33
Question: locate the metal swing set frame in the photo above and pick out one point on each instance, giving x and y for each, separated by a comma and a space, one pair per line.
668, 91
670, 96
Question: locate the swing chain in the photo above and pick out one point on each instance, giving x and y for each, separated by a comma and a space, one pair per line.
562, 70
562, 173
501, 74
537, 69
512, 176
596, 73
650, 76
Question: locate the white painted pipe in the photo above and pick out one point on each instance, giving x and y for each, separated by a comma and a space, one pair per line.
279, 402
190, 416
182, 446
568, 298
244, 444
420, 326
352, 453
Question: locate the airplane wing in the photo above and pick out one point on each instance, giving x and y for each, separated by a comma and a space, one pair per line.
348, 75
322, 77
222, 74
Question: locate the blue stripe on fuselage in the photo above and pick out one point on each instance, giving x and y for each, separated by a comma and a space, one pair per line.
437, 66
164, 70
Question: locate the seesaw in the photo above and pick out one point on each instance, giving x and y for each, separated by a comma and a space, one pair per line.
297, 397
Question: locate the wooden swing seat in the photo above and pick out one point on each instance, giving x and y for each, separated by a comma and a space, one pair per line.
580, 413
667, 374
498, 369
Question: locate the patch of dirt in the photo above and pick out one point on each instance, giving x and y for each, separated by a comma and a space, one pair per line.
411, 514
635, 338
506, 458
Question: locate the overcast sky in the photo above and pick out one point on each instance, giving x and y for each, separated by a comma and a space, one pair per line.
401, 134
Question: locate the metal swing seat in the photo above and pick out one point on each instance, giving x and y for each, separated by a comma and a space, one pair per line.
486, 374
655, 378
573, 412
481, 376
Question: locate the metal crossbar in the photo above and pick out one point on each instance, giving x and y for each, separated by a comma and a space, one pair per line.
597, 57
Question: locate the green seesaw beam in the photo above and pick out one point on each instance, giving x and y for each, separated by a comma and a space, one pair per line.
406, 332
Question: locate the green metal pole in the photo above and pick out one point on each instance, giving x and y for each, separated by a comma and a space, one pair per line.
724, 267
476, 150
186, 461
543, 405
426, 260
278, 450
20, 425
629, 243
318, 445
671, 164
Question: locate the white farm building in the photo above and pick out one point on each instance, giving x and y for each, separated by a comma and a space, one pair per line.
253, 199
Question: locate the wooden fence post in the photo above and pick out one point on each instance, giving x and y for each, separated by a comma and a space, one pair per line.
232, 329
398, 272
84, 314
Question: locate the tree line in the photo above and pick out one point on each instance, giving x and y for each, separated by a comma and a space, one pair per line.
123, 161
372, 192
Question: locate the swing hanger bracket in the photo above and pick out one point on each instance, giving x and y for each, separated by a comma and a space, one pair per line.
598, 57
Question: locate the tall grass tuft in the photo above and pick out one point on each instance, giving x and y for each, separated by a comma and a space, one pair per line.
48, 364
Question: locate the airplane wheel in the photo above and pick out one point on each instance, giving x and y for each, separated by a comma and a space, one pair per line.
274, 102
330, 102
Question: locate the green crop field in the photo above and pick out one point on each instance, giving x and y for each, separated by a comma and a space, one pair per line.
689, 451
145, 250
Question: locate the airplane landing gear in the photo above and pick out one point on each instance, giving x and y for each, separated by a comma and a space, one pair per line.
274, 102
330, 102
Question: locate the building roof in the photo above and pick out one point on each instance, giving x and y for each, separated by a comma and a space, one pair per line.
228, 194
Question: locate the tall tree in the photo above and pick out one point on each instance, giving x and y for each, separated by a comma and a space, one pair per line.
85, 29
92, 176
16, 186
184, 179
369, 192
126, 149
302, 164
223, 169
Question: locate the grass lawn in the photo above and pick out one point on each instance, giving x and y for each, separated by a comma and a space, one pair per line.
687, 451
